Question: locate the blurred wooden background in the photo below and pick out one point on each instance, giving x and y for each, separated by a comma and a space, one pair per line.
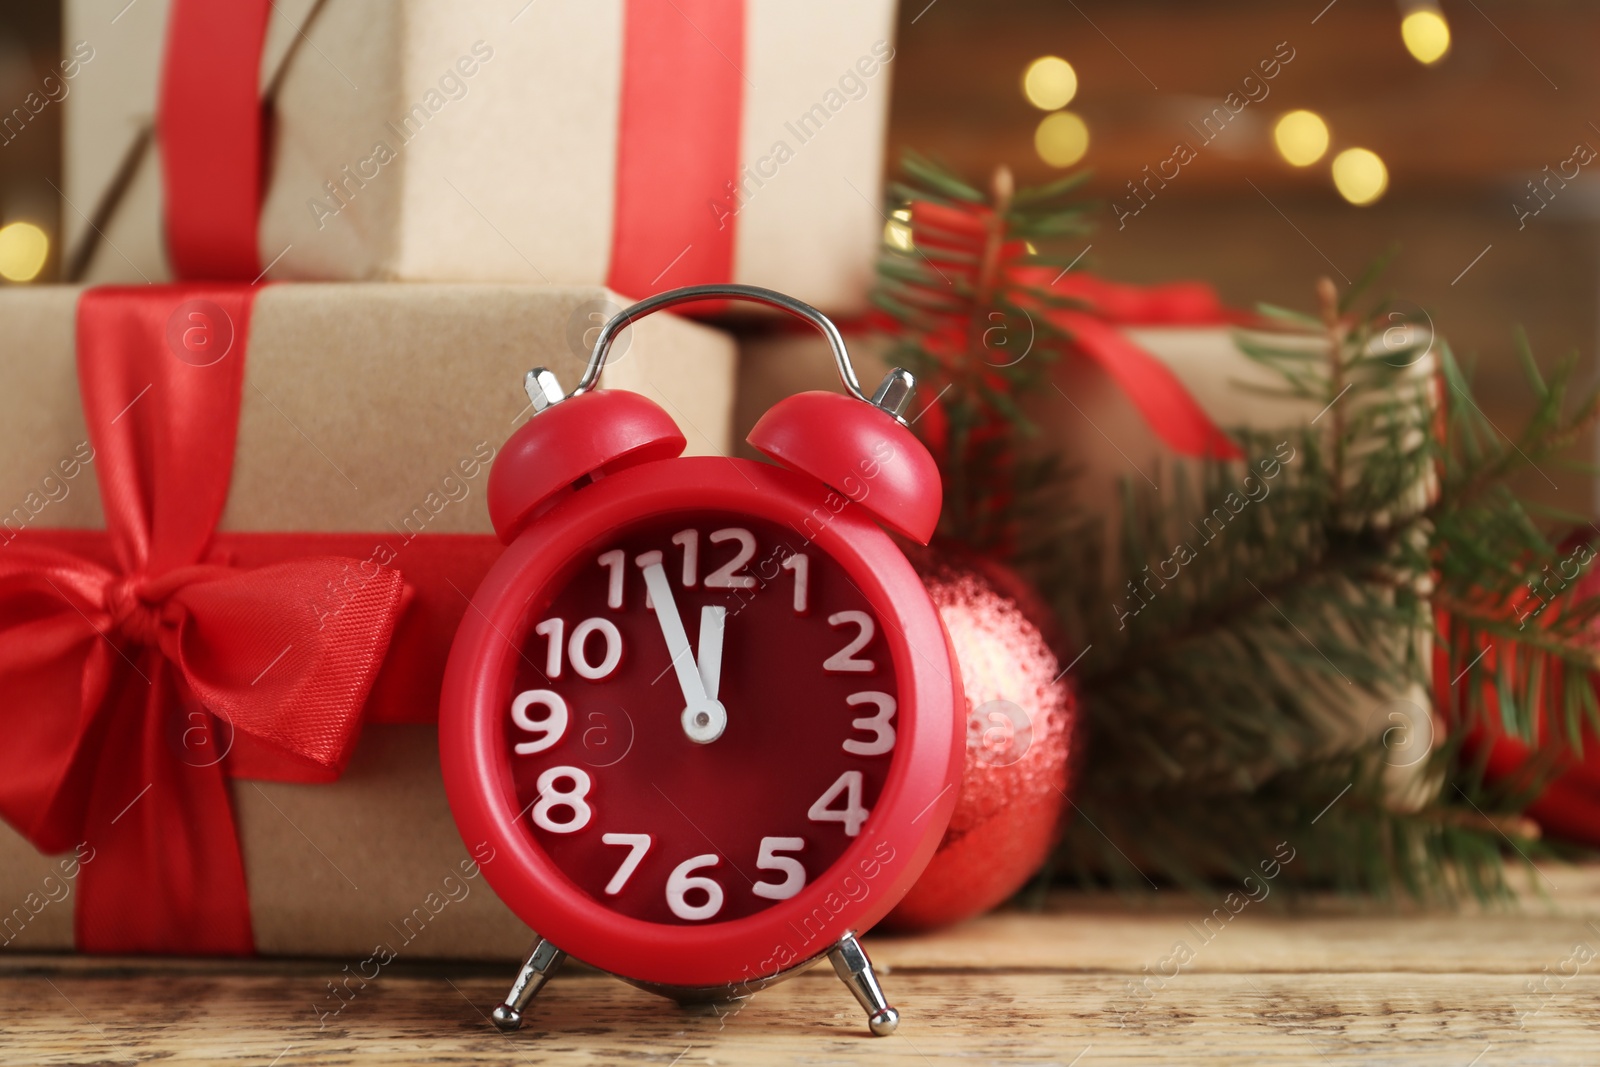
1461, 139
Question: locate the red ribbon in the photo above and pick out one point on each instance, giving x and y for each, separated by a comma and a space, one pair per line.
1167, 406
678, 140
128, 675
440, 571
211, 135
1087, 309
678, 145
1568, 805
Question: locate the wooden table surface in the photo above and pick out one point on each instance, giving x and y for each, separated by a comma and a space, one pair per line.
1332, 983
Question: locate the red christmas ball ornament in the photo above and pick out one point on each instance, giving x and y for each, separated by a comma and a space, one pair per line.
1022, 718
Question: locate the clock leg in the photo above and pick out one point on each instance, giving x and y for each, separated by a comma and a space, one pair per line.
850, 963
542, 963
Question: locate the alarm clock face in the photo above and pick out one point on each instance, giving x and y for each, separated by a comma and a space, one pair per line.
703, 714
652, 808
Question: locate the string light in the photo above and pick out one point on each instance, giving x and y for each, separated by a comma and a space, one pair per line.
23, 249
1359, 175
1050, 83
1301, 137
1426, 34
1061, 139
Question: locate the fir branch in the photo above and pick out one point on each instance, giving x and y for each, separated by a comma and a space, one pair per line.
1219, 705
1358, 527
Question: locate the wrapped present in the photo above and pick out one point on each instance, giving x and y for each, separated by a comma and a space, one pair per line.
239, 526
1154, 380
638, 144
1096, 424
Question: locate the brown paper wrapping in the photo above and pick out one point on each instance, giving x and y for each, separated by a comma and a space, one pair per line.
512, 181
358, 400
1088, 420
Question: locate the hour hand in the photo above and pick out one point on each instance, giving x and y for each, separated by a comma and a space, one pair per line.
703, 717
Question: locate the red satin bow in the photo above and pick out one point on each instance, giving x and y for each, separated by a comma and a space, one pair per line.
135, 682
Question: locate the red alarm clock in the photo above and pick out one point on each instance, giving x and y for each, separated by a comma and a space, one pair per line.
703, 708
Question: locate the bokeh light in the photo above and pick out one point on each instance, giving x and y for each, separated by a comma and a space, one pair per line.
897, 230
1426, 34
23, 249
1061, 139
1360, 175
1050, 83
1301, 137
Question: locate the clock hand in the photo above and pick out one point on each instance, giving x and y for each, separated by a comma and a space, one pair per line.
709, 651
703, 717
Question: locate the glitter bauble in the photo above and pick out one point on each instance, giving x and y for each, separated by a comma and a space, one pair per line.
1021, 743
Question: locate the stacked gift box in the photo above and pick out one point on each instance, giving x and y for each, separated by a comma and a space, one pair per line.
442, 196
639, 145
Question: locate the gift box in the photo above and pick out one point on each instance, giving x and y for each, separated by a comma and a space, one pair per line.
1089, 420
367, 416
638, 144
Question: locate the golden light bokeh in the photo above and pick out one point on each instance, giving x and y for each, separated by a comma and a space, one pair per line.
1050, 83
1061, 139
24, 248
1426, 35
1360, 175
1301, 137
897, 230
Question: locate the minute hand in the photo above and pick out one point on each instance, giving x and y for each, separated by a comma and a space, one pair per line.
708, 652
703, 718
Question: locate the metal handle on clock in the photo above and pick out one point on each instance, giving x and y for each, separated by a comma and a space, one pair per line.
893, 394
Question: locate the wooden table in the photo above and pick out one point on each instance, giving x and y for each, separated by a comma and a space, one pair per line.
1333, 983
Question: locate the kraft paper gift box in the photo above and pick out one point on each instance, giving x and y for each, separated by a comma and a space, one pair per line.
367, 408
639, 144
1098, 432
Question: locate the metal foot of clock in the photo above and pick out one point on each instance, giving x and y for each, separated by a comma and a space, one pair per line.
850, 963
542, 963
